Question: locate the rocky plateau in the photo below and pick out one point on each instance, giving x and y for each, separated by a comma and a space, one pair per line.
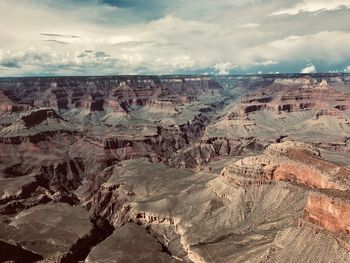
192, 169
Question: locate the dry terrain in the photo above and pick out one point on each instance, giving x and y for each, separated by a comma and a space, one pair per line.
175, 169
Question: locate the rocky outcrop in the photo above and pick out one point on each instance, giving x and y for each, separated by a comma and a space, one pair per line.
292, 162
82, 247
37, 117
214, 148
296, 95
111, 202
96, 93
10, 104
114, 105
330, 210
327, 205
22, 193
34, 127
158, 105
162, 145
63, 174
118, 248
55, 228
238, 115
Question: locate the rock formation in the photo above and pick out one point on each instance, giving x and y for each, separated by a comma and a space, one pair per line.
175, 169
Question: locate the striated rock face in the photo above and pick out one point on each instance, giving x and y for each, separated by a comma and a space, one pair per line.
111, 202
260, 219
64, 174
302, 95
161, 106
330, 212
299, 164
10, 104
292, 162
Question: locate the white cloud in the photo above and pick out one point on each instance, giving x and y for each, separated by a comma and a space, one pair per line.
347, 69
249, 25
224, 68
310, 68
266, 63
188, 37
330, 47
33, 61
313, 6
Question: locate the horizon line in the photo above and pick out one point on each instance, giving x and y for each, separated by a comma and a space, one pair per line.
179, 75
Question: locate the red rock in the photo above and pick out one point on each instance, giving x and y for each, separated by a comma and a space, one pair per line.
329, 212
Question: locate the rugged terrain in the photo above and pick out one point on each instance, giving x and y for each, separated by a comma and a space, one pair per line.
175, 169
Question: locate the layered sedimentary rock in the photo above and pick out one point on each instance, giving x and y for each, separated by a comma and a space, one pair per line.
292, 162
296, 95
34, 126
157, 105
175, 169
327, 204
329, 211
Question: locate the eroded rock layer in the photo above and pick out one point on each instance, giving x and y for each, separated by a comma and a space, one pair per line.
175, 169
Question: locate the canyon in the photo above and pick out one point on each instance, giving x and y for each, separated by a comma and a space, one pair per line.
196, 169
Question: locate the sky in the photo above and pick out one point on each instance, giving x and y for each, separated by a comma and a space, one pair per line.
103, 37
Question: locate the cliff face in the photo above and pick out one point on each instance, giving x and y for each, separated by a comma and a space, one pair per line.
35, 126
93, 92
327, 205
296, 95
292, 162
329, 212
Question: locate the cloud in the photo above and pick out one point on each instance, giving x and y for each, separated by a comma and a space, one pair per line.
33, 61
224, 68
249, 25
57, 41
9, 64
347, 69
171, 37
310, 68
266, 63
59, 35
326, 47
313, 6
101, 54
133, 44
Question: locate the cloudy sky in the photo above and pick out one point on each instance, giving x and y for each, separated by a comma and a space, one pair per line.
98, 37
